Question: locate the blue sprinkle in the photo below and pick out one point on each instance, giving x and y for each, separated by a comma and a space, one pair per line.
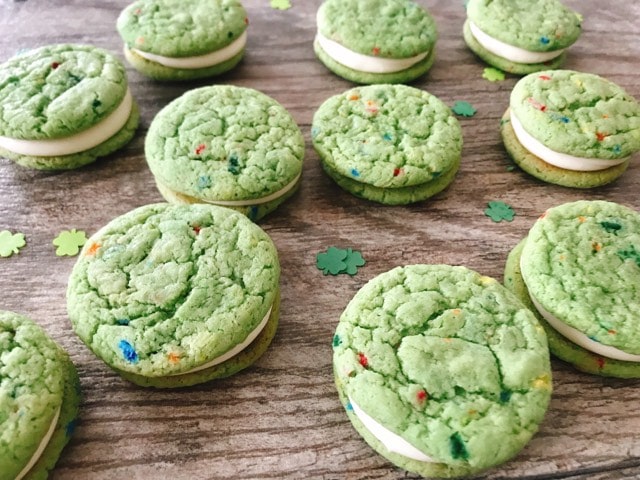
544, 40
355, 173
617, 149
564, 120
336, 340
253, 212
204, 182
386, 137
594, 339
349, 407
314, 132
128, 351
70, 428
234, 164
122, 321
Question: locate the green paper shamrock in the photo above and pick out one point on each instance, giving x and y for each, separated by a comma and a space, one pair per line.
11, 243
281, 4
332, 261
498, 211
69, 242
464, 109
493, 74
353, 261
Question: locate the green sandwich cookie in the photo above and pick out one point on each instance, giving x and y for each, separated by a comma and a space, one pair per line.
375, 41
225, 145
571, 129
175, 295
521, 36
441, 370
579, 271
39, 399
63, 106
392, 144
186, 40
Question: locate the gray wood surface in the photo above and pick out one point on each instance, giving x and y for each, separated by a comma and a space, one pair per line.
282, 418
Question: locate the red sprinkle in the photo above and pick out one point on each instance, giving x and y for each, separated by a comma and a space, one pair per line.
200, 148
600, 361
544, 77
376, 50
246, 20
363, 360
537, 105
196, 229
55, 65
422, 396
397, 171
601, 136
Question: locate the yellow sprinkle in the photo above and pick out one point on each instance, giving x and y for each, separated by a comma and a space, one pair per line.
561, 258
487, 280
542, 382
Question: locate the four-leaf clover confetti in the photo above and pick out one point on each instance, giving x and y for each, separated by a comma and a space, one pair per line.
498, 211
281, 4
337, 260
464, 109
69, 242
493, 74
11, 243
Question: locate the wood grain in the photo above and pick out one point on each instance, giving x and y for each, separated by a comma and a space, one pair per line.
282, 418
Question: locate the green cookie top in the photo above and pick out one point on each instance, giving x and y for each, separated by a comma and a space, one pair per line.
384, 28
58, 90
181, 29
534, 25
224, 143
581, 262
166, 288
387, 135
580, 114
31, 390
449, 360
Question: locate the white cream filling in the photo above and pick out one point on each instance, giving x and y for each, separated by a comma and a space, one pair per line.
200, 61
256, 201
509, 52
43, 444
365, 63
580, 338
562, 160
234, 351
392, 442
79, 142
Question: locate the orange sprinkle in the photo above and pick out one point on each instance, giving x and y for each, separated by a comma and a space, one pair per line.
611, 332
456, 311
596, 246
93, 248
542, 216
472, 412
376, 50
448, 340
582, 219
354, 97
605, 116
139, 40
174, 357
561, 258
601, 136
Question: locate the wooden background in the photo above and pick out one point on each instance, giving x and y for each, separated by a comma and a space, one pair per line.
281, 418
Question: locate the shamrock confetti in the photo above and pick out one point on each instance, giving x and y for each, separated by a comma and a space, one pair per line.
353, 261
338, 260
464, 109
281, 4
11, 243
498, 211
493, 74
69, 242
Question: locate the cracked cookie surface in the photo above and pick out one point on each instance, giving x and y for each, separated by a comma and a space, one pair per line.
39, 394
164, 289
58, 90
224, 143
387, 136
449, 360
